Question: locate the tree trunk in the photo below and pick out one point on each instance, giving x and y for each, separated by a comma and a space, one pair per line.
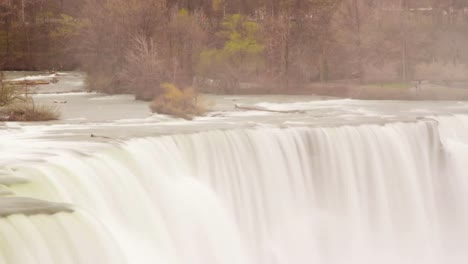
286, 54
404, 44
357, 20
323, 64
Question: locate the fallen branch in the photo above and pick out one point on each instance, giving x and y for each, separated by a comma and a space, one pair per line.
29, 82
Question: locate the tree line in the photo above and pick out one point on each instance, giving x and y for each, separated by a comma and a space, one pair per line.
135, 45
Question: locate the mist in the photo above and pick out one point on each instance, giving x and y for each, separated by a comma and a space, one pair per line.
233, 131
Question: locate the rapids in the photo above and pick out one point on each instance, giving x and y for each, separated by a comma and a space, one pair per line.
369, 193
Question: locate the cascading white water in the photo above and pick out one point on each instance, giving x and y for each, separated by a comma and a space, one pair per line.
61, 238
388, 194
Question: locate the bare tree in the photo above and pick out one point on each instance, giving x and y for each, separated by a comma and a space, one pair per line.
144, 68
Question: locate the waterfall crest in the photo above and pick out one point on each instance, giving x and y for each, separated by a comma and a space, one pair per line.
393, 193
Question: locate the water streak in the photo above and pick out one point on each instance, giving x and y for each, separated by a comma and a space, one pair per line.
394, 193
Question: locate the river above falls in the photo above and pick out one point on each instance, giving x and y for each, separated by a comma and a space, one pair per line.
121, 117
302, 179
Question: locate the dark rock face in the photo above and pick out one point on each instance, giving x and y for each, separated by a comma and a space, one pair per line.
11, 205
28, 206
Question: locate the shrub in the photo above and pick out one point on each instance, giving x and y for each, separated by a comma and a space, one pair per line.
15, 106
28, 111
8, 93
176, 102
98, 81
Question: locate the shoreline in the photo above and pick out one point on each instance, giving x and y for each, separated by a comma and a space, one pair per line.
426, 92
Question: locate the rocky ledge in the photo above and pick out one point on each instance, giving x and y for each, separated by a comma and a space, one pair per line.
11, 205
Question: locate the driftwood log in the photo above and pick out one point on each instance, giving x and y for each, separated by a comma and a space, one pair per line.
29, 82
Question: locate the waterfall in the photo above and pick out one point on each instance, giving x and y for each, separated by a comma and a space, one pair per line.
391, 193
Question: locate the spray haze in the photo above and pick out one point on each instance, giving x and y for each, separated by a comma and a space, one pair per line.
240, 46
120, 141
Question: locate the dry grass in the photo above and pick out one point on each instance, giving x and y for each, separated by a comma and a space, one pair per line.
9, 94
28, 111
15, 106
179, 103
392, 85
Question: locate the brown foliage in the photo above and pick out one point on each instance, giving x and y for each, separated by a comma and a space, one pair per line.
28, 111
9, 93
179, 103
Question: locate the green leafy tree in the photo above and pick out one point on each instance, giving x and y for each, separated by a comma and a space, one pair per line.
186, 35
240, 56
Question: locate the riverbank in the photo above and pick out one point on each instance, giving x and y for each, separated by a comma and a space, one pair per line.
392, 91
66, 82
410, 91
